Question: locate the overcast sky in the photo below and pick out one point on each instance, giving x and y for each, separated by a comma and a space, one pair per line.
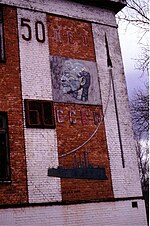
131, 51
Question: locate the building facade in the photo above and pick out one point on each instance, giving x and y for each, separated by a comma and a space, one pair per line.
67, 153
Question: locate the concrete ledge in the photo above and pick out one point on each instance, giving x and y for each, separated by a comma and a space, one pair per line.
64, 203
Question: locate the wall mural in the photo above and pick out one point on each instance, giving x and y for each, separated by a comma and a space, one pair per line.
82, 165
74, 81
78, 163
78, 112
79, 168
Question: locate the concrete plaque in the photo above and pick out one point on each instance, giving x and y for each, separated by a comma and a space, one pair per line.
74, 81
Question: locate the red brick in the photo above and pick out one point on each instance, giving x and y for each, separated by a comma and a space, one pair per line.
10, 102
72, 136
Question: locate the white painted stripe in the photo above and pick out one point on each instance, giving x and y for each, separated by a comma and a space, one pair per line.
40, 144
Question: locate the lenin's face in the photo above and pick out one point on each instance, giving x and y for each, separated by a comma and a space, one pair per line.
71, 82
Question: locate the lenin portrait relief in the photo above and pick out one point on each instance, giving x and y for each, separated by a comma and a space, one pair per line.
74, 81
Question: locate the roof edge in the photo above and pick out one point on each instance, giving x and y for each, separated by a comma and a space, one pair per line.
114, 5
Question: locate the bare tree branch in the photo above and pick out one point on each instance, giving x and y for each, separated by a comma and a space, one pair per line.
139, 106
137, 14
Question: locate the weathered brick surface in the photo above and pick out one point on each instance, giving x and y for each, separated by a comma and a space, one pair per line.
42, 148
126, 182
73, 39
10, 102
40, 144
78, 128
97, 214
70, 38
62, 8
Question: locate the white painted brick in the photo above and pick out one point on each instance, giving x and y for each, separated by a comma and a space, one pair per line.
62, 7
34, 59
125, 181
40, 144
99, 214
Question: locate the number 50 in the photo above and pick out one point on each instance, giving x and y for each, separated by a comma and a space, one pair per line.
39, 27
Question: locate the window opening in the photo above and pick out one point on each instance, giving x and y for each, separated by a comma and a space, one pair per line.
4, 148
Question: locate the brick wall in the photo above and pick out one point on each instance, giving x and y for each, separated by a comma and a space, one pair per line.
62, 8
35, 75
10, 102
75, 134
40, 144
125, 182
73, 39
43, 146
103, 214
70, 38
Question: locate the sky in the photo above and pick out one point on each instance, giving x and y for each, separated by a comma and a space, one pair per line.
130, 52
129, 41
